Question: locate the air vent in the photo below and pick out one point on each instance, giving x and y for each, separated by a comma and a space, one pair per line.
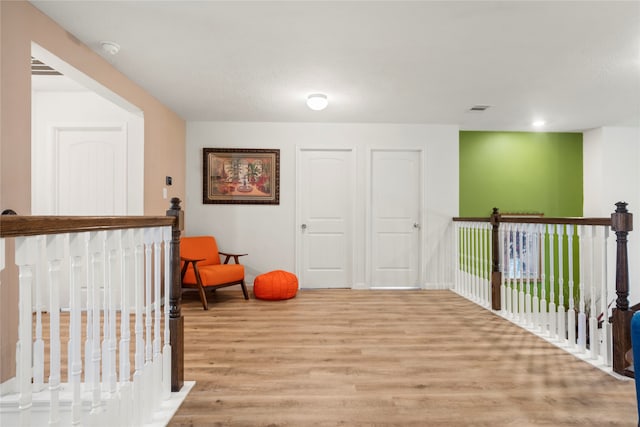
39, 68
479, 108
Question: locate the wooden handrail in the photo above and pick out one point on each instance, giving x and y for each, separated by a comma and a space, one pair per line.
540, 220
472, 219
17, 225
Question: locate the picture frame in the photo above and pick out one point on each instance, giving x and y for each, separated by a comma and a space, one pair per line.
241, 176
522, 252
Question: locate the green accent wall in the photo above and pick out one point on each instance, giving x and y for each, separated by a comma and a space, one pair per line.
520, 172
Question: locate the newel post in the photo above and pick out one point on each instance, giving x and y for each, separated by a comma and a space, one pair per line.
622, 224
176, 321
496, 274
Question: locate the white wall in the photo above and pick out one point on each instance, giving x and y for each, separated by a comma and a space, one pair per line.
611, 169
268, 232
80, 107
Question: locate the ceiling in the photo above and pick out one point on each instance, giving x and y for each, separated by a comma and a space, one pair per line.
575, 64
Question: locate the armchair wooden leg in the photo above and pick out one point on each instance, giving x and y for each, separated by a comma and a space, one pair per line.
203, 295
244, 290
203, 298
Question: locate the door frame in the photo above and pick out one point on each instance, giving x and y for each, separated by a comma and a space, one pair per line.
298, 206
369, 217
135, 132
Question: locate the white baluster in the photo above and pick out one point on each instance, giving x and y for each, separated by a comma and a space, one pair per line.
488, 263
39, 285
463, 260
147, 373
582, 318
593, 322
484, 287
127, 279
501, 266
138, 380
480, 288
55, 245
476, 262
553, 330
514, 272
526, 270
468, 260
534, 262
96, 246
77, 258
562, 319
112, 277
521, 284
157, 340
168, 278
605, 333
456, 259
472, 262
544, 318
25, 253
571, 312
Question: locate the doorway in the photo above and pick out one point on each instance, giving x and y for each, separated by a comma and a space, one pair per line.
326, 183
87, 149
394, 218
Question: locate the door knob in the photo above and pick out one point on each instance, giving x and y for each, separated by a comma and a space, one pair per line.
416, 225
303, 226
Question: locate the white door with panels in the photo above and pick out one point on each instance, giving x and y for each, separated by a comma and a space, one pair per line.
395, 236
91, 170
325, 210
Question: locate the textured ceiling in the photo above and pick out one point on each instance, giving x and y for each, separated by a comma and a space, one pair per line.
576, 64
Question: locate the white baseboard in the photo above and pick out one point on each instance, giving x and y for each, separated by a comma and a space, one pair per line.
437, 286
8, 386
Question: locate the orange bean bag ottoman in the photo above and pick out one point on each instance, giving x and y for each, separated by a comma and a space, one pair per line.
275, 285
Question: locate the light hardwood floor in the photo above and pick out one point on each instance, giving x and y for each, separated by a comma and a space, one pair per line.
383, 358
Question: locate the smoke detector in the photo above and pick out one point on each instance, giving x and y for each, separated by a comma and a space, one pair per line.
111, 48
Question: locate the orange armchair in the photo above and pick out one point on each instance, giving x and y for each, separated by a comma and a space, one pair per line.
201, 267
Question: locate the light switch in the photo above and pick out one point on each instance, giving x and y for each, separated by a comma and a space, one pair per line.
164, 193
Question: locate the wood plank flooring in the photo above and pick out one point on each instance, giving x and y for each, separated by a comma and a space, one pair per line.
383, 358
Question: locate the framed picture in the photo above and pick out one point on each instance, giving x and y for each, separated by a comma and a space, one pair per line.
522, 251
241, 176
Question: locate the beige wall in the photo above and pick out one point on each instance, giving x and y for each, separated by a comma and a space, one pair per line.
165, 132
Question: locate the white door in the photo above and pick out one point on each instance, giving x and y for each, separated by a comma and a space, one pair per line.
325, 203
395, 218
91, 170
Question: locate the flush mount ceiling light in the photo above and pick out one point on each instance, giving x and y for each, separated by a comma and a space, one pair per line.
538, 123
110, 47
317, 101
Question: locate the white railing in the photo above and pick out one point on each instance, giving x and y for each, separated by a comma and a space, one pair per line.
473, 255
100, 300
556, 277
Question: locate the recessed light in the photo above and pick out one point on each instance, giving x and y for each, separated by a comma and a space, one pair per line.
317, 101
538, 123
